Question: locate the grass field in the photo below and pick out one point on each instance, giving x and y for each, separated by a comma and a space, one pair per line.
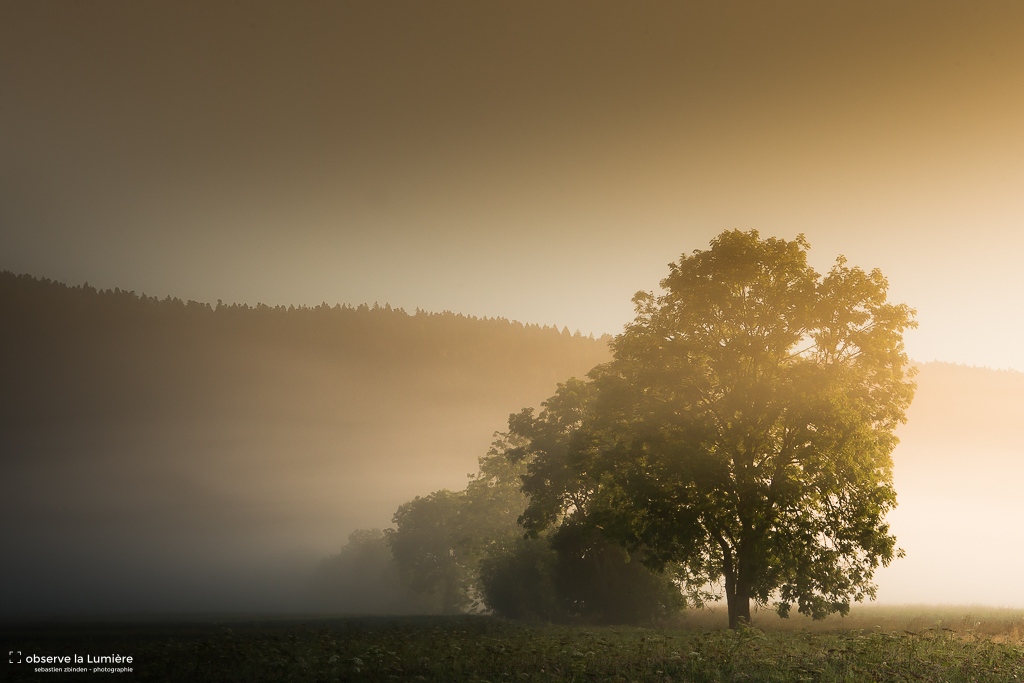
873, 644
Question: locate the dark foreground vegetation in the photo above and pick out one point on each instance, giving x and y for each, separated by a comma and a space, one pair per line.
476, 648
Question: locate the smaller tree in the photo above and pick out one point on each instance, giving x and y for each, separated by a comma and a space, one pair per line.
439, 540
362, 579
431, 550
599, 581
571, 574
465, 550
518, 581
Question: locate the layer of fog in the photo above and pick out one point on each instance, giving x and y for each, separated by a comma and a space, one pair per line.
211, 517
217, 516
959, 473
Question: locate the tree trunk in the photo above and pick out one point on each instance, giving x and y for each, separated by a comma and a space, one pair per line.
737, 591
737, 595
738, 600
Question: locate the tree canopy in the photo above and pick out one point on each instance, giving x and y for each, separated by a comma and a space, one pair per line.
742, 433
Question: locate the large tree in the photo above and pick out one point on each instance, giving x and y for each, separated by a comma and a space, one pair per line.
742, 433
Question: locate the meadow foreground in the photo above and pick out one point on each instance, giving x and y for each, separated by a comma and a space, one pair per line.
937, 647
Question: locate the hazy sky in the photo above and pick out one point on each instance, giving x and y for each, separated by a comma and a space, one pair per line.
539, 161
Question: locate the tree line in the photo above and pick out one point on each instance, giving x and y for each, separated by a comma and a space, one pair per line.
112, 354
457, 551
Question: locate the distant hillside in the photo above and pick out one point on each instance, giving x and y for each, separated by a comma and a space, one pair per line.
186, 435
73, 352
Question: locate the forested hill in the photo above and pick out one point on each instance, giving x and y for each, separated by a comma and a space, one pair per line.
190, 435
76, 352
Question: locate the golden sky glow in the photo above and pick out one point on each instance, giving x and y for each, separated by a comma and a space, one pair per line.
525, 160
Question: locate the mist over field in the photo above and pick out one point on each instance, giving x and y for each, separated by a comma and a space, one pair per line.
476, 190
958, 473
170, 457
164, 456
